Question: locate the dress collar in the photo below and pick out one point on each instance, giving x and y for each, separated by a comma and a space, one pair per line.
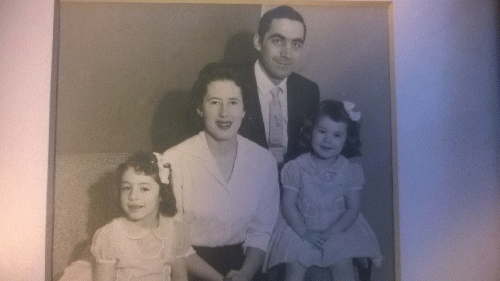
306, 162
136, 233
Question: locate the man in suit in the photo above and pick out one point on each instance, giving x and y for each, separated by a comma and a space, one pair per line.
279, 41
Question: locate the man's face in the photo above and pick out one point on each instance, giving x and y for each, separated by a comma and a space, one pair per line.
280, 48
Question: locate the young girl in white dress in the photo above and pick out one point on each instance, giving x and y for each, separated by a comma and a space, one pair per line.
322, 224
146, 243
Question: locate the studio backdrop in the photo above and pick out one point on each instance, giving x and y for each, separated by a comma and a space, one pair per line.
124, 73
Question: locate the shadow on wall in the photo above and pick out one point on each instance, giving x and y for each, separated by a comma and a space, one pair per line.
240, 50
173, 121
175, 118
103, 207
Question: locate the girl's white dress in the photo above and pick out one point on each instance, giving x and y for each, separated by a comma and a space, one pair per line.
120, 244
321, 202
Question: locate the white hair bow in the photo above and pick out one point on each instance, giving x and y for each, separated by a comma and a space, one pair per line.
163, 167
354, 115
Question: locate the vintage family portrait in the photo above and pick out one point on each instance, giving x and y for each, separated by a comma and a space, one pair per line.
223, 142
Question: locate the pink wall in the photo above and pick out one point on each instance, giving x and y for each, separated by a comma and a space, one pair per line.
448, 112
25, 69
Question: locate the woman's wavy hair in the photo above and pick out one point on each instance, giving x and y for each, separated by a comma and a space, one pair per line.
334, 110
147, 163
217, 71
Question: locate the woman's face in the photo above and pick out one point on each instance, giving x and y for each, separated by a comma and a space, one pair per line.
222, 109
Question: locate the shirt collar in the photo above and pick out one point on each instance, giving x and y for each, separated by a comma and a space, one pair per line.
264, 83
200, 151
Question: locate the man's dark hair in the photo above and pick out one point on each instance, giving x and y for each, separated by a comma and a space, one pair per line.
281, 12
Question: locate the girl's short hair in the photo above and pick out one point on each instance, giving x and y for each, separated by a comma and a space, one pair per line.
336, 111
147, 163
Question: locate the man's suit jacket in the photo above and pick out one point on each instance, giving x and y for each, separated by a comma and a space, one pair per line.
302, 98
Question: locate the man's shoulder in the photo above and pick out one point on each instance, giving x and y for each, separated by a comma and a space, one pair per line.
302, 88
295, 78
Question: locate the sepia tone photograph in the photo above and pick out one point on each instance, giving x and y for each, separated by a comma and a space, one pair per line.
128, 75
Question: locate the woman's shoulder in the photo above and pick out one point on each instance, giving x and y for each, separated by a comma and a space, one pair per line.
188, 147
185, 145
256, 150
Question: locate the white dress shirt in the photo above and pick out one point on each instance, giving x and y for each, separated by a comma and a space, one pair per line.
264, 85
244, 209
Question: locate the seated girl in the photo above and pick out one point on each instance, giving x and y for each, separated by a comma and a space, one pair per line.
145, 243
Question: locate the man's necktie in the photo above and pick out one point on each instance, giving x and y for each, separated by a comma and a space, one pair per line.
276, 143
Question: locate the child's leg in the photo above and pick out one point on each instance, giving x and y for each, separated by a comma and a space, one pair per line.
343, 270
295, 272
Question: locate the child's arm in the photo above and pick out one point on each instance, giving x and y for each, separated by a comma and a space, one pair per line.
346, 220
200, 268
179, 270
295, 219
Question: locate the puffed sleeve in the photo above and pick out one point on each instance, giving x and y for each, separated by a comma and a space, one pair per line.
182, 245
103, 246
354, 177
290, 176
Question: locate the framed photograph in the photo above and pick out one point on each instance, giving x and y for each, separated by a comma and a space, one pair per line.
124, 72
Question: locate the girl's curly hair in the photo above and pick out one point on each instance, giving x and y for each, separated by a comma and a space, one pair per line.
147, 163
334, 110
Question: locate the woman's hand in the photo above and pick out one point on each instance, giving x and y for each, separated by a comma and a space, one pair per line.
201, 269
238, 275
254, 257
314, 237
